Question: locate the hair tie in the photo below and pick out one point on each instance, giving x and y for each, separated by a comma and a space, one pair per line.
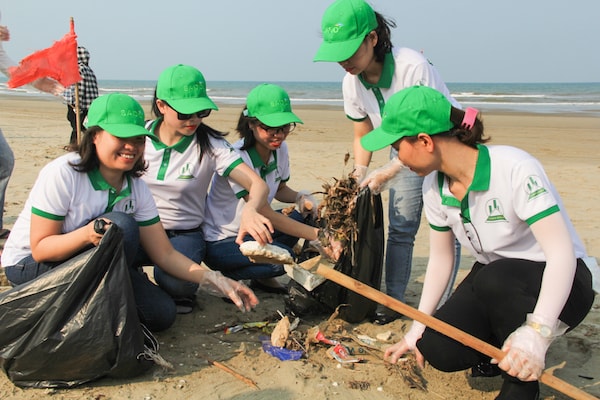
469, 118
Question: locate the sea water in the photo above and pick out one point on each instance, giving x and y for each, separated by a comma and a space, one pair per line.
545, 98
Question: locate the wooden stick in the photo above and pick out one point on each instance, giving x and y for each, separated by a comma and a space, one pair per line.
225, 368
324, 268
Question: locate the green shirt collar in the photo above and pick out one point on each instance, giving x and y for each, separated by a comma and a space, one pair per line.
99, 183
387, 73
481, 180
181, 146
258, 163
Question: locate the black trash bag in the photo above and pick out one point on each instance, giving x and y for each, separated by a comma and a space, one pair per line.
75, 323
363, 261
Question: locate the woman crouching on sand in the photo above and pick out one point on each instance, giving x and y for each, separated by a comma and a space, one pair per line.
101, 180
529, 283
263, 127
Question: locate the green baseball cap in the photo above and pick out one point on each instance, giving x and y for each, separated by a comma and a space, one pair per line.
118, 114
344, 26
414, 110
184, 88
270, 104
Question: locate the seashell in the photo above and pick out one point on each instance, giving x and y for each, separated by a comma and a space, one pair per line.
281, 332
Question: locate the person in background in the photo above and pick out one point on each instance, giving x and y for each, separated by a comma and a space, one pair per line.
359, 39
531, 280
101, 181
7, 158
88, 91
183, 155
263, 126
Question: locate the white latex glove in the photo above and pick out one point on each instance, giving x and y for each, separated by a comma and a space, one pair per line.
306, 203
414, 333
408, 343
332, 252
526, 348
359, 172
216, 284
381, 178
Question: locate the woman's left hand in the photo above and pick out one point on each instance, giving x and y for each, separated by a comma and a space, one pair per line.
215, 283
4, 34
525, 353
526, 348
306, 203
256, 225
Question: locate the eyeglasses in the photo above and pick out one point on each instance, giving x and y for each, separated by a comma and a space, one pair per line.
285, 129
185, 117
472, 234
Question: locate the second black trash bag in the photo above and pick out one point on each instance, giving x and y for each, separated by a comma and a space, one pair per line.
75, 323
363, 261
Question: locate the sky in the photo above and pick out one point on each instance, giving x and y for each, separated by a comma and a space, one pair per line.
276, 40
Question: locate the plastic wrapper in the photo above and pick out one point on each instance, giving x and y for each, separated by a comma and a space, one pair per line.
279, 352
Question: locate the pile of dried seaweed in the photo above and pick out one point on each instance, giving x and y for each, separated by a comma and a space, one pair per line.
336, 211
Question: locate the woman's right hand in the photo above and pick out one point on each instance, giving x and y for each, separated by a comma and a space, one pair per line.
94, 233
408, 343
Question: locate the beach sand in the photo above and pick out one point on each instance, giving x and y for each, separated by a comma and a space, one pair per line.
37, 130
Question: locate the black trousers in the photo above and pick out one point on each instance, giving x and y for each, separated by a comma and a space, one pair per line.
72, 117
491, 302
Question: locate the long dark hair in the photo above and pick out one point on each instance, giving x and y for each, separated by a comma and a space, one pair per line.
245, 131
89, 157
384, 36
202, 132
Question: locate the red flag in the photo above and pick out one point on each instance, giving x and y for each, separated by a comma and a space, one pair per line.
58, 62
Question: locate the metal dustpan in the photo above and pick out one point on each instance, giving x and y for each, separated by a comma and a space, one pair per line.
273, 254
302, 274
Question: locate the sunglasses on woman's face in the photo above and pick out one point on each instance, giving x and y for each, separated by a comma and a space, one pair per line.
274, 130
185, 117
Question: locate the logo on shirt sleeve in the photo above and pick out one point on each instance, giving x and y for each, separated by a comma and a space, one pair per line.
534, 187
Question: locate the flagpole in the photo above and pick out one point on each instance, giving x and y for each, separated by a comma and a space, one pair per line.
77, 115
77, 106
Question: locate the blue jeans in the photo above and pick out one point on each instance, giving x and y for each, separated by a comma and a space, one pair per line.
7, 162
189, 243
225, 256
155, 308
405, 206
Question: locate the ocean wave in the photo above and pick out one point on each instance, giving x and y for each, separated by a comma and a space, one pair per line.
529, 97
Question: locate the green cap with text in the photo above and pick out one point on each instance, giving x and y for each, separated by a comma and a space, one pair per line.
344, 26
270, 104
183, 87
414, 110
118, 114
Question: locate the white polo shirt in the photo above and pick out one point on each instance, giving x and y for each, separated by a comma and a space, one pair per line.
402, 68
62, 194
225, 199
510, 191
179, 182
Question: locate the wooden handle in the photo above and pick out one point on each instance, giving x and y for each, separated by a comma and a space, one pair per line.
319, 266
